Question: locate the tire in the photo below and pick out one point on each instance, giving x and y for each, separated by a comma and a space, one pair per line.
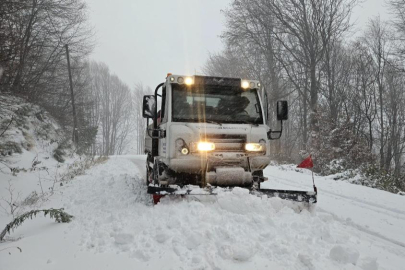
147, 176
258, 173
149, 172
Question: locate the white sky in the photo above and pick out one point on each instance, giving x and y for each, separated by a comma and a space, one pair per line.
143, 40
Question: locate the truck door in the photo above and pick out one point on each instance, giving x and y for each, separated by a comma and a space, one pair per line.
162, 121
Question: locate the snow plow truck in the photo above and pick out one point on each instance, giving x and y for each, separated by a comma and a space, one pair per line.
208, 132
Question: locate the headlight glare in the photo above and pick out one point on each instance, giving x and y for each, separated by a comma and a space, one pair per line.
254, 147
245, 84
205, 146
189, 81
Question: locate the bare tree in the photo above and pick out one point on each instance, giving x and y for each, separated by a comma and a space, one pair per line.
139, 122
397, 8
37, 31
112, 110
363, 95
306, 29
377, 39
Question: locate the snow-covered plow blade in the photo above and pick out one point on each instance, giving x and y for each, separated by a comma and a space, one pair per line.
291, 195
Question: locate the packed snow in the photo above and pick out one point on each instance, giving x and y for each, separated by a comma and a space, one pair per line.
116, 226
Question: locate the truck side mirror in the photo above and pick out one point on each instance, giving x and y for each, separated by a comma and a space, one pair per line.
148, 107
282, 110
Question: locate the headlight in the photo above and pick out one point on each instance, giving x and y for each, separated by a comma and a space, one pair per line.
254, 147
205, 146
245, 84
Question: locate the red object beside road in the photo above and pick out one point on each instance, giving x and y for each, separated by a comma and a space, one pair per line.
306, 163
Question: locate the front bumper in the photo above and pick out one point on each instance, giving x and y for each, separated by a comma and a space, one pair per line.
210, 161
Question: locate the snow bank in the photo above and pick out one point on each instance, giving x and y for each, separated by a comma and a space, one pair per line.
29, 172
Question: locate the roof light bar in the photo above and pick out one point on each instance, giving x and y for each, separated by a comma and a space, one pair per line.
217, 81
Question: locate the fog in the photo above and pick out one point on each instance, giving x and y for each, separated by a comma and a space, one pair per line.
141, 41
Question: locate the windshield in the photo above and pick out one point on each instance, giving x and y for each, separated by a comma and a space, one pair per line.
216, 104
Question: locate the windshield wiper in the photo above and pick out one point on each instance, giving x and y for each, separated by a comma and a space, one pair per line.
196, 121
213, 122
247, 122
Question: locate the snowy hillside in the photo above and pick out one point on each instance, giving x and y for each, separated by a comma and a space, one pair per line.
36, 157
117, 227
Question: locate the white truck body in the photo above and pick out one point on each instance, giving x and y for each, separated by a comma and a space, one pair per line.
210, 131
229, 139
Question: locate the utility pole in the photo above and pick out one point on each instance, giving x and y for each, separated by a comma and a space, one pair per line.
75, 131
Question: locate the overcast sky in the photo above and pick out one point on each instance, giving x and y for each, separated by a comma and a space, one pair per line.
142, 40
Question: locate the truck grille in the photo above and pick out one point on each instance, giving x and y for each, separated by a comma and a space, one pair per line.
226, 142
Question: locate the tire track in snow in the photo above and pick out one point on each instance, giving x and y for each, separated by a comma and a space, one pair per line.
362, 228
350, 223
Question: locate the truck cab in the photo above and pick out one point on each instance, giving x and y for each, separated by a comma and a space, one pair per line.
208, 131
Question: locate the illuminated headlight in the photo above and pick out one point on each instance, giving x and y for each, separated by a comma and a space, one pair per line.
254, 147
205, 146
189, 81
245, 84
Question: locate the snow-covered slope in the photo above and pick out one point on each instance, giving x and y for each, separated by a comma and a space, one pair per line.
117, 227
32, 149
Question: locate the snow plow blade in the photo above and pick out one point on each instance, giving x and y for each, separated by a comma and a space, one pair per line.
290, 195
154, 190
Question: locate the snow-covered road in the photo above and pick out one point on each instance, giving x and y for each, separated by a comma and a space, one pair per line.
117, 227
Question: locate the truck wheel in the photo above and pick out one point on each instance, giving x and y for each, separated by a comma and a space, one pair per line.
258, 173
148, 175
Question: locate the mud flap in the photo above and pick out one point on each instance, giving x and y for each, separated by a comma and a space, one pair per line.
159, 192
156, 198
